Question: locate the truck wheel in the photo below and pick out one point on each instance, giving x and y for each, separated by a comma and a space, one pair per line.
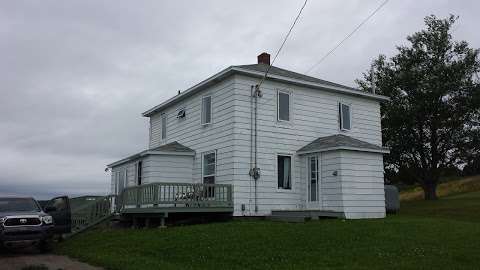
45, 246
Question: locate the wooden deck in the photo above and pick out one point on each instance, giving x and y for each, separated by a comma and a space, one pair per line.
164, 198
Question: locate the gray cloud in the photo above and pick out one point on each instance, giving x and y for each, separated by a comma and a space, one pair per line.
75, 76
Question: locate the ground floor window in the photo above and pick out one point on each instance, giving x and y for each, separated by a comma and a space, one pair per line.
139, 173
284, 172
209, 167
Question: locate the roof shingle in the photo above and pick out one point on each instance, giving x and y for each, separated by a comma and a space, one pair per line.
290, 74
340, 141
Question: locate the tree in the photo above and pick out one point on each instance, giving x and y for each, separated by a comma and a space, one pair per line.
433, 87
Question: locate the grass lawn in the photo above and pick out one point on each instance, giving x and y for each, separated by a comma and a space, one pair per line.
425, 235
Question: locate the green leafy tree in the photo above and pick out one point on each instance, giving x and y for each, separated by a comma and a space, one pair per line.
434, 88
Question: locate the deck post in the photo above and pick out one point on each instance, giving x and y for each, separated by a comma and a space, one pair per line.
134, 222
162, 222
147, 222
155, 196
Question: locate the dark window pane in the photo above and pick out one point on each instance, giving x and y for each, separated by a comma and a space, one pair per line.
206, 110
284, 172
313, 194
139, 173
209, 164
164, 127
283, 106
345, 116
209, 180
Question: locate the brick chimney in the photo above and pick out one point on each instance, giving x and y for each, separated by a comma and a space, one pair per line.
264, 58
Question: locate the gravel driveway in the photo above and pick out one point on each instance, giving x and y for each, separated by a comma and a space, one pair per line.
16, 260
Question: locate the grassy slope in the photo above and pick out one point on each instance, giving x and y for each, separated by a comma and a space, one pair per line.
467, 184
442, 235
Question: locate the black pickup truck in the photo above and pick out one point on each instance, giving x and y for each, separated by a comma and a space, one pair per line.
24, 222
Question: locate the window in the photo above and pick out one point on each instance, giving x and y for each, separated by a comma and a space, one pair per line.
164, 126
284, 172
283, 106
139, 173
209, 164
206, 110
209, 168
344, 113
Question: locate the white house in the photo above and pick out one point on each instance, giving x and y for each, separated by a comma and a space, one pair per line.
296, 143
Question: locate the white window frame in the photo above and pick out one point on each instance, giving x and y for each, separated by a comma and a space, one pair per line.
292, 172
202, 164
290, 114
163, 117
340, 113
202, 118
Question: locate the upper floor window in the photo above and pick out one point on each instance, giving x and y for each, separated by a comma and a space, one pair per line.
345, 115
164, 126
284, 172
206, 110
283, 106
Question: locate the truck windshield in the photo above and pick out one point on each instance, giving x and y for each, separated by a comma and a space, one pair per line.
18, 205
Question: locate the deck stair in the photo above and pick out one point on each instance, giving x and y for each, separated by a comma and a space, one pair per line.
303, 215
88, 212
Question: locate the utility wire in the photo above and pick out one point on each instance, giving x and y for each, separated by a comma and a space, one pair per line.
347, 37
283, 43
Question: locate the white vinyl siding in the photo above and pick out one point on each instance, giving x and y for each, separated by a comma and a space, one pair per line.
314, 114
189, 132
155, 168
361, 176
206, 110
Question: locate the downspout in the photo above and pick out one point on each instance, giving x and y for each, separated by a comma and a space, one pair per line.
251, 150
255, 171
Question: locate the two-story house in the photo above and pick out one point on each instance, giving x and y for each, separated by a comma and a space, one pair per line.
297, 142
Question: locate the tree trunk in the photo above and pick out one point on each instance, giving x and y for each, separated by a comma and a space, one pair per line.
430, 191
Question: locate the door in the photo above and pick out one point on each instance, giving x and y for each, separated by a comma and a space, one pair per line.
59, 209
313, 183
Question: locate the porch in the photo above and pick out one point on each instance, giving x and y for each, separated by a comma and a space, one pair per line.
175, 197
153, 201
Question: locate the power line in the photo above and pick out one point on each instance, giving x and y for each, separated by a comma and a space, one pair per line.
283, 43
347, 37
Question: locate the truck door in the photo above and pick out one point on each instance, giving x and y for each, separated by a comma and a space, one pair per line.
59, 209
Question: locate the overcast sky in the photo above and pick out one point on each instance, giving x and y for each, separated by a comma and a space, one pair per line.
75, 75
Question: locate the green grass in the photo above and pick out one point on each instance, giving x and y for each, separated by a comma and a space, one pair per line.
425, 235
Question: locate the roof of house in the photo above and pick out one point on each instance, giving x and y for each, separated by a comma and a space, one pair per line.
290, 74
340, 142
275, 73
173, 148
